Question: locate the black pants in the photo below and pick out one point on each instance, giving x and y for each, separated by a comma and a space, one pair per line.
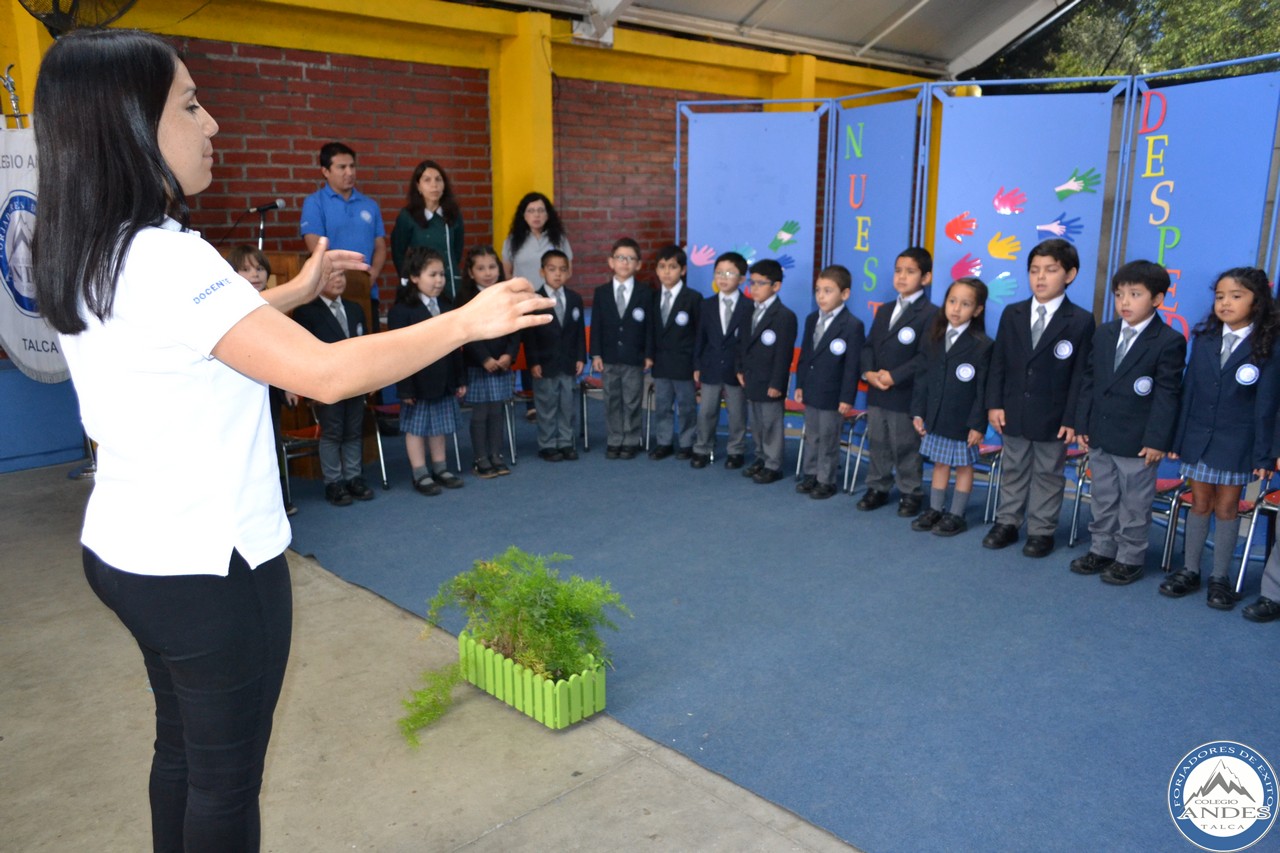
215, 650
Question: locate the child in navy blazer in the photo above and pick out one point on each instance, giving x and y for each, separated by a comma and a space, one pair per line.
724, 315
621, 347
556, 354
1128, 407
765, 351
674, 330
890, 361
490, 382
428, 398
1037, 365
1225, 435
948, 404
827, 378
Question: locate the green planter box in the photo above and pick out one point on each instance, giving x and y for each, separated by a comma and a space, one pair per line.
555, 704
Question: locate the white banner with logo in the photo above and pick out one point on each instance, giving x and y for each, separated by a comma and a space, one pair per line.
29, 341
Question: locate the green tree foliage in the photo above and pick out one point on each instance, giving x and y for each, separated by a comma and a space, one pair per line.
1108, 37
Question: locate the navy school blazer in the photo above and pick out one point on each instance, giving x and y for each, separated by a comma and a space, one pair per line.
828, 373
764, 355
715, 353
317, 319
673, 343
1039, 388
897, 350
1228, 415
625, 339
1124, 410
949, 393
558, 347
438, 379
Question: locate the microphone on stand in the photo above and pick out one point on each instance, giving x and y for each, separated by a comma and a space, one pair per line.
278, 204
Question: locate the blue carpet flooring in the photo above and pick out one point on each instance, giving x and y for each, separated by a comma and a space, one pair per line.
904, 691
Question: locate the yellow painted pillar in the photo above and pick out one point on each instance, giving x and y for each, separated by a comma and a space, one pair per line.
23, 41
799, 81
520, 118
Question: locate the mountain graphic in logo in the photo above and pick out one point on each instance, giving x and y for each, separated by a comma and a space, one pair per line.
1220, 778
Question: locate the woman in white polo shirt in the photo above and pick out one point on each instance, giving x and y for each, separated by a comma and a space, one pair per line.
148, 313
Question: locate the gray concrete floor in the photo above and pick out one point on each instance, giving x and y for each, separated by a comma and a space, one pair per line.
75, 731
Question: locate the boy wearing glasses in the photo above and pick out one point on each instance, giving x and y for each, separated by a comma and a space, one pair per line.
765, 350
621, 347
724, 315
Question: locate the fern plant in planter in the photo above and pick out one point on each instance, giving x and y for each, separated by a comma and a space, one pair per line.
531, 639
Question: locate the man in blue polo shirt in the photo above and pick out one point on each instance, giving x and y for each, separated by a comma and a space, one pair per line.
350, 219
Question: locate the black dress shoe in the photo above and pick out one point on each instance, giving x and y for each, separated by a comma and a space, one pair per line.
735, 461
626, 452
699, 461
1092, 564
873, 499
359, 489
448, 480
1000, 536
427, 486
909, 507
1262, 610
1221, 597
662, 451
1180, 583
767, 475
568, 454
684, 453
754, 468
612, 452
500, 468
1038, 546
807, 485
950, 525
337, 494
926, 520
1121, 574
822, 491
484, 470
550, 454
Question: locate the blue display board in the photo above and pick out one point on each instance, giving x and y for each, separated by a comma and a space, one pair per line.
1201, 159
1015, 170
753, 189
871, 220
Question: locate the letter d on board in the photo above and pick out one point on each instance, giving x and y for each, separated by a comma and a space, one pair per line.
1147, 98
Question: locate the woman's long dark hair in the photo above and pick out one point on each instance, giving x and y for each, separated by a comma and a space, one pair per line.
520, 230
98, 103
1263, 315
417, 205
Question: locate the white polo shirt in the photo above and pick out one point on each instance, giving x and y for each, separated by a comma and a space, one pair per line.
187, 466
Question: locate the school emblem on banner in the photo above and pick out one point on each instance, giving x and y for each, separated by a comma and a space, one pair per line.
29, 341
1222, 796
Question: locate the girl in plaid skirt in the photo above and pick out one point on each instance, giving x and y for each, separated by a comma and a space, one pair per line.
490, 382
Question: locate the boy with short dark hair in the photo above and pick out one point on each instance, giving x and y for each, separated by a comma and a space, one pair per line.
556, 354
621, 347
1127, 413
725, 314
764, 368
1037, 364
675, 311
827, 379
891, 358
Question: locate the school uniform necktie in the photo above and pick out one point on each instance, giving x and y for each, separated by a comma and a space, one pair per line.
1126, 339
666, 305
897, 311
560, 307
952, 334
433, 307
1037, 328
621, 299
341, 316
1228, 344
820, 328
755, 318
726, 314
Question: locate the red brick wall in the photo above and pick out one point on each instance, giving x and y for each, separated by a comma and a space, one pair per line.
615, 149
276, 107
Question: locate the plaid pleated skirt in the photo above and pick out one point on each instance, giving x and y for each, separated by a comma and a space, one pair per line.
486, 387
1202, 473
430, 417
947, 451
